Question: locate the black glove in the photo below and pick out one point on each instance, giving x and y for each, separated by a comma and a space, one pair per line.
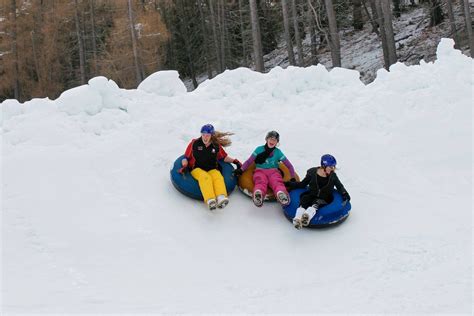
290, 185
345, 198
237, 163
237, 172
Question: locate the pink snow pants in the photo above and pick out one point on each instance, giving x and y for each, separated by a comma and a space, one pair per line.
262, 178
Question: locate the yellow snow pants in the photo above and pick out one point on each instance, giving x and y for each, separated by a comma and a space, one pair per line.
210, 182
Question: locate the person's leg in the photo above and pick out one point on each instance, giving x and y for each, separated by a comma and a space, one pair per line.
311, 211
260, 186
260, 181
275, 182
297, 219
205, 184
218, 182
219, 187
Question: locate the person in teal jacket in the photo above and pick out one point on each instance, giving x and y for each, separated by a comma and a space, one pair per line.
267, 158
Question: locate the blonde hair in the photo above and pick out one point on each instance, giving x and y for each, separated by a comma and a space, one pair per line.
221, 138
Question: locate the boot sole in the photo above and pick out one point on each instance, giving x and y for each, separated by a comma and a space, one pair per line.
223, 204
305, 220
258, 203
298, 225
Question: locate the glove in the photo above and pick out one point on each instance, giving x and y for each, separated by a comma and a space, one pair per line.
290, 185
237, 163
182, 170
237, 172
345, 198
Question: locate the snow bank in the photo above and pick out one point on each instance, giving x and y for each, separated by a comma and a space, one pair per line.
279, 84
340, 101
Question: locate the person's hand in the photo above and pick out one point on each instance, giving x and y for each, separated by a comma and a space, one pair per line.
237, 163
290, 185
184, 162
237, 172
345, 198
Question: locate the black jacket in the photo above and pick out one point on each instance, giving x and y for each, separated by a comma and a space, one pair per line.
200, 156
315, 192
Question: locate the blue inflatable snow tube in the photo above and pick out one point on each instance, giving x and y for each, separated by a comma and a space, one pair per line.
187, 185
328, 215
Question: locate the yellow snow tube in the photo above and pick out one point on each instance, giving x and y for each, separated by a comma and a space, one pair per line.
246, 181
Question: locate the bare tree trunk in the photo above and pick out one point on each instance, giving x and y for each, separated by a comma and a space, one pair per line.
221, 13
449, 5
206, 40
94, 44
357, 21
214, 35
82, 63
136, 61
299, 46
286, 22
35, 59
16, 71
227, 43
396, 8
467, 18
436, 13
312, 35
184, 29
387, 19
334, 42
375, 13
257, 38
372, 18
242, 34
383, 35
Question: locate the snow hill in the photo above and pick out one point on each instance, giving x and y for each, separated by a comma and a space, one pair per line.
92, 224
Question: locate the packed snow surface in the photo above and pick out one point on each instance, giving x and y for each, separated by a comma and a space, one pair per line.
92, 224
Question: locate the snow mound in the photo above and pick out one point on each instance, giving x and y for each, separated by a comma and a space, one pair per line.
164, 83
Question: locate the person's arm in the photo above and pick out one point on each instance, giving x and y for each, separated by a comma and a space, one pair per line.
340, 188
187, 154
236, 162
303, 183
223, 155
248, 162
290, 167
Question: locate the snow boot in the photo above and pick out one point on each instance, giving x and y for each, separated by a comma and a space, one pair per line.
305, 219
258, 198
212, 204
309, 214
222, 201
297, 223
283, 198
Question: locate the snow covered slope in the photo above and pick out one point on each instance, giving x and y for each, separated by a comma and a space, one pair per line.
92, 224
